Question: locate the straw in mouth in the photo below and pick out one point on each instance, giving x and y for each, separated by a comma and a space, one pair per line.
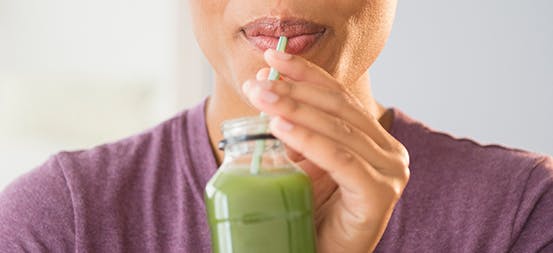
260, 144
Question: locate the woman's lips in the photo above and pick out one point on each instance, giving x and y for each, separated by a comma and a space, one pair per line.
264, 33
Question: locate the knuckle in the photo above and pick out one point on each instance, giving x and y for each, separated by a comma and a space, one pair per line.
402, 172
306, 138
292, 107
343, 156
341, 127
400, 154
405, 175
393, 189
339, 101
285, 88
346, 98
343, 97
403, 156
400, 163
396, 188
301, 69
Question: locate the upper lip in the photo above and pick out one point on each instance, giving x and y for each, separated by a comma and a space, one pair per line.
275, 27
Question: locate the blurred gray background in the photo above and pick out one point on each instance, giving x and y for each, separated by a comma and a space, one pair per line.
77, 73
478, 69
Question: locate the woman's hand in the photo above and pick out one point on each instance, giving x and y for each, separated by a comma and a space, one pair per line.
358, 170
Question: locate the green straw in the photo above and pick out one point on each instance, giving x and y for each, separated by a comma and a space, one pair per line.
260, 144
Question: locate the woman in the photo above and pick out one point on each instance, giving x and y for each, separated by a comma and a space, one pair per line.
144, 193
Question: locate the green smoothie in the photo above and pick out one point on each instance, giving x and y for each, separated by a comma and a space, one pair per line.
264, 213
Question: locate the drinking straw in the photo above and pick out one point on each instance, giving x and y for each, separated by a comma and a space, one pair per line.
260, 144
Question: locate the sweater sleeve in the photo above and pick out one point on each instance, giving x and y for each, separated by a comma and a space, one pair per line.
36, 213
533, 226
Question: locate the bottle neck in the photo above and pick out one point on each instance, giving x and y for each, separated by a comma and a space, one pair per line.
248, 148
240, 155
244, 137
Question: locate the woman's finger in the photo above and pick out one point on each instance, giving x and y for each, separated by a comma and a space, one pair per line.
330, 101
348, 170
321, 122
299, 69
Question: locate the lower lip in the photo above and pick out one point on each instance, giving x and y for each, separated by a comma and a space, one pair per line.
296, 45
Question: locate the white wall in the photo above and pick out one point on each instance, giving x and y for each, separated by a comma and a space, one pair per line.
75, 73
482, 69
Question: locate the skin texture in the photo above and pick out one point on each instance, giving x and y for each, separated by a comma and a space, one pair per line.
323, 107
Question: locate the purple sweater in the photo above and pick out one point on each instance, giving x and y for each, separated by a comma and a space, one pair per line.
145, 194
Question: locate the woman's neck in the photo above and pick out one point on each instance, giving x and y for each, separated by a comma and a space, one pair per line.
225, 103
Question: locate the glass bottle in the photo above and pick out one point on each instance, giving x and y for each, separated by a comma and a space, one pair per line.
269, 210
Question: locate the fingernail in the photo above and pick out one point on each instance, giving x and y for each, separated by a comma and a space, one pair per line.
259, 76
262, 74
268, 96
246, 86
280, 55
283, 125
